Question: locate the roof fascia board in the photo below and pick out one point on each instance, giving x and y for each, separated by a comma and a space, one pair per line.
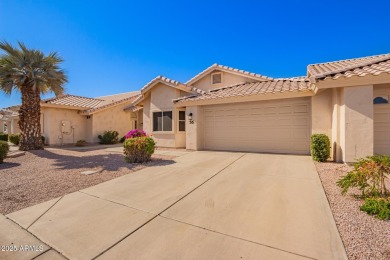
354, 81
63, 106
260, 97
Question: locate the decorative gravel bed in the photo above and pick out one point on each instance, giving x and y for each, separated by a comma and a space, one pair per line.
39, 176
364, 236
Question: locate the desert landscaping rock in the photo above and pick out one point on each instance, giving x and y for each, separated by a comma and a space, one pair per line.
364, 236
43, 175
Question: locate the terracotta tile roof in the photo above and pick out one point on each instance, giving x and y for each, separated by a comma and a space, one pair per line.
228, 69
74, 101
168, 81
109, 103
92, 105
253, 88
7, 113
373, 65
116, 97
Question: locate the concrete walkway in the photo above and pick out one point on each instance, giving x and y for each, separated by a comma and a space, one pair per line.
208, 205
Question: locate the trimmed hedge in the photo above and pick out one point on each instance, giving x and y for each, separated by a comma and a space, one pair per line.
139, 149
4, 148
320, 147
4, 137
15, 139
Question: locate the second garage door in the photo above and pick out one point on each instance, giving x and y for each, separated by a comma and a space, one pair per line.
278, 126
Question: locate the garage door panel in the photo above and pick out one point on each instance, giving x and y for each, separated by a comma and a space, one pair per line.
285, 110
257, 111
382, 129
301, 109
280, 126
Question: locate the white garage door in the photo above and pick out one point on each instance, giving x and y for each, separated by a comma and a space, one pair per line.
278, 126
382, 129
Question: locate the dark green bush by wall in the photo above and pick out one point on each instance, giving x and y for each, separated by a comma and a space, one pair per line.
4, 137
320, 147
109, 137
4, 148
14, 138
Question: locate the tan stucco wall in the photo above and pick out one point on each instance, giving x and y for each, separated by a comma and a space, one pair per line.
147, 123
52, 125
357, 123
321, 105
112, 119
194, 132
228, 79
161, 98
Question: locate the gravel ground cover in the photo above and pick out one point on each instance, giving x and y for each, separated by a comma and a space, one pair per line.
364, 236
39, 176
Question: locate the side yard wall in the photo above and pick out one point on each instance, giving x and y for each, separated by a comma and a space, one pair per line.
52, 118
112, 119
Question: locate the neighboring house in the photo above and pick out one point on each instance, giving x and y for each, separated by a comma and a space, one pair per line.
9, 121
69, 118
223, 108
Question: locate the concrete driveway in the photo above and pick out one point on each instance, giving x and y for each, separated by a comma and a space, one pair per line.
208, 205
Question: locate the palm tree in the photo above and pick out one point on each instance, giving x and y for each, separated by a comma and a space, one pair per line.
32, 73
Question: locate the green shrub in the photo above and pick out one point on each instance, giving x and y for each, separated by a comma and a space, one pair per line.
139, 149
4, 148
369, 175
15, 138
4, 137
320, 147
109, 137
379, 207
122, 139
81, 143
43, 139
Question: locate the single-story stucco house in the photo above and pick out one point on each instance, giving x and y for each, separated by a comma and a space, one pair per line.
223, 108
68, 118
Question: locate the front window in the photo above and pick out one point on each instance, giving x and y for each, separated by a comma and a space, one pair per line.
182, 121
162, 121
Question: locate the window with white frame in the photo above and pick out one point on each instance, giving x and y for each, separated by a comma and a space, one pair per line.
162, 121
216, 78
182, 121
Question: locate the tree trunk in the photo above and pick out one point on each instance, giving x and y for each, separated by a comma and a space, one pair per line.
30, 119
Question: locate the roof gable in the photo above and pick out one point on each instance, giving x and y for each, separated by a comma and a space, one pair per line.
227, 69
282, 85
166, 81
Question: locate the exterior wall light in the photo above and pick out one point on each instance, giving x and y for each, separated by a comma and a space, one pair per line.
190, 118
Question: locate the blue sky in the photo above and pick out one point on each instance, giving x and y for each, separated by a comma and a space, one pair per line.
118, 46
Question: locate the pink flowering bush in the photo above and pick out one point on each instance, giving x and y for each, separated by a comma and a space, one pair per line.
138, 147
135, 133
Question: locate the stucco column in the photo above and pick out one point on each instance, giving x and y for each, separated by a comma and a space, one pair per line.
12, 126
194, 128
357, 123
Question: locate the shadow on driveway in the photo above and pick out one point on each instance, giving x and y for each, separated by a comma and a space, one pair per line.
104, 161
